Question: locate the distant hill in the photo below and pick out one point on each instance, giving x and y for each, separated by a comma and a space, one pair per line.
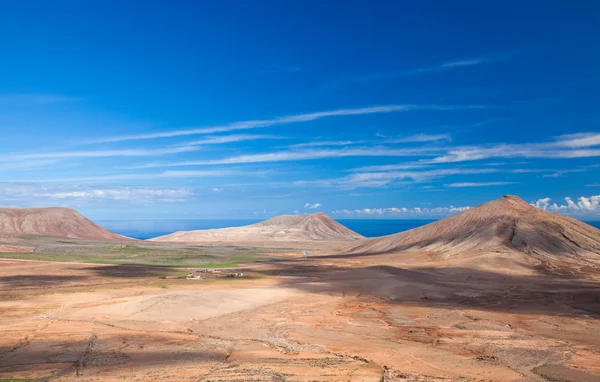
509, 230
314, 227
53, 221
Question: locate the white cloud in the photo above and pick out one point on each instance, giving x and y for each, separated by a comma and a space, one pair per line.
422, 138
562, 147
150, 176
221, 139
217, 189
524, 170
274, 196
97, 154
312, 206
580, 205
445, 66
462, 63
28, 165
381, 179
37, 192
36, 98
305, 117
578, 140
478, 184
124, 193
542, 204
451, 155
417, 138
400, 211
325, 143
561, 173
390, 167
292, 155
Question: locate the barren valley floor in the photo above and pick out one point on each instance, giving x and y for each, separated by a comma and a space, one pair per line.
362, 318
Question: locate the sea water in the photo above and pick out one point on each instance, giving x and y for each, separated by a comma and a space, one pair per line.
146, 229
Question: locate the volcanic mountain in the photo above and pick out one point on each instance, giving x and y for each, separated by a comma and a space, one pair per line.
507, 232
313, 227
53, 221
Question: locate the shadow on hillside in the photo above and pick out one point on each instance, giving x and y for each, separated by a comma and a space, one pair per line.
81, 358
546, 237
450, 287
36, 281
129, 271
85, 275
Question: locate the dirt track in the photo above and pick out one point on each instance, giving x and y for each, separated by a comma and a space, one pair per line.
353, 319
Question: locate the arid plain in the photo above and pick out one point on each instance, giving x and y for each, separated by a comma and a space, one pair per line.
389, 309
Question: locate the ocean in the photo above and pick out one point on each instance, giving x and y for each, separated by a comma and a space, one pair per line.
146, 229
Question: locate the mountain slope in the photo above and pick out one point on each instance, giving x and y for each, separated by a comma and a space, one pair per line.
53, 221
314, 227
508, 224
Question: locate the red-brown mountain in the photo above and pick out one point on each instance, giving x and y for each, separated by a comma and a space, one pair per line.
508, 229
53, 221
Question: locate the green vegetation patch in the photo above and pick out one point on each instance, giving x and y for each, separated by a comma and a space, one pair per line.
142, 253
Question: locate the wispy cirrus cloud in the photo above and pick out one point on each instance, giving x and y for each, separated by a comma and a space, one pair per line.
24, 161
41, 193
561, 173
579, 145
273, 196
324, 143
27, 165
436, 68
420, 138
390, 167
417, 138
290, 119
463, 63
190, 174
36, 98
96, 154
578, 140
222, 139
388, 178
478, 184
294, 155
510, 151
137, 194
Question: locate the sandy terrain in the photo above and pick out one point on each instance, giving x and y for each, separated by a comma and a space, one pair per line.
360, 318
8, 248
502, 292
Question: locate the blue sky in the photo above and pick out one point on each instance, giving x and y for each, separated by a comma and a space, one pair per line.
175, 110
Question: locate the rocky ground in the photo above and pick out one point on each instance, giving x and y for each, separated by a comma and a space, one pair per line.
321, 319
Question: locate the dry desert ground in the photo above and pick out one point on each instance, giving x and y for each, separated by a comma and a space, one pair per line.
325, 318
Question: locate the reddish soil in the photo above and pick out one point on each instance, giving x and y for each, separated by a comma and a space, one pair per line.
368, 318
7, 248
